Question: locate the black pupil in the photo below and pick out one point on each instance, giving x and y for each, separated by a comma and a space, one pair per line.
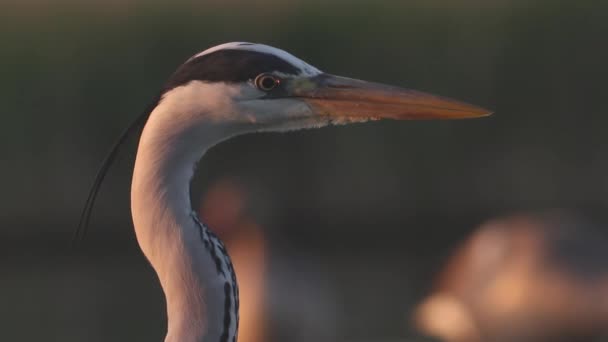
268, 82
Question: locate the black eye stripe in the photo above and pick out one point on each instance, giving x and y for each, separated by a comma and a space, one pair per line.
229, 66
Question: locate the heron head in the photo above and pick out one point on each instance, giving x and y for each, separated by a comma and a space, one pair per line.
244, 87
269, 89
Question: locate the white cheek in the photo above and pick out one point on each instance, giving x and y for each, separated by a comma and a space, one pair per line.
281, 115
215, 101
274, 110
246, 91
227, 103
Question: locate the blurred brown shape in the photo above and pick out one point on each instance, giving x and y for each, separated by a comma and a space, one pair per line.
522, 278
224, 210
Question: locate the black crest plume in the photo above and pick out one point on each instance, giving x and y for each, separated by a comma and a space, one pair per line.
134, 128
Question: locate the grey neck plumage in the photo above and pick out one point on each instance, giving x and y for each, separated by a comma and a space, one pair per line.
192, 264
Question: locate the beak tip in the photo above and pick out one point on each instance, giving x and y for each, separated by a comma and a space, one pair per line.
488, 113
480, 112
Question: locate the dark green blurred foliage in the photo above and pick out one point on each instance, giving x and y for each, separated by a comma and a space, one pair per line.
399, 195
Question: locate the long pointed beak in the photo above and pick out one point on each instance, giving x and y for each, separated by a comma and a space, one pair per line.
337, 96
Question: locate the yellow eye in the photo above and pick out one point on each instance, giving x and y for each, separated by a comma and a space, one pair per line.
266, 82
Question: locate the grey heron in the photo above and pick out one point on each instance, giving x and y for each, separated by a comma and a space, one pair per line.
227, 90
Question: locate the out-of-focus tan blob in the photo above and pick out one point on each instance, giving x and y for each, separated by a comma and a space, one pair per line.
522, 278
223, 209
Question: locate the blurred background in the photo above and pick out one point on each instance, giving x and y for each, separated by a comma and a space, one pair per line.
409, 231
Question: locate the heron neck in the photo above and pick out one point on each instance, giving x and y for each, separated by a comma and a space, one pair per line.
192, 264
